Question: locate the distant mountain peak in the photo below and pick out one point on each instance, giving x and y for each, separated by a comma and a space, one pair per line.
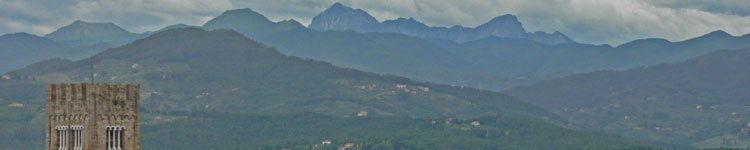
714, 35
19, 34
245, 18
249, 22
503, 26
240, 11
174, 26
505, 21
86, 33
84, 24
77, 22
410, 21
718, 33
245, 12
640, 42
505, 18
292, 22
338, 8
340, 17
338, 5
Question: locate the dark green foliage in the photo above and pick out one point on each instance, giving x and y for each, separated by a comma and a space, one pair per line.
683, 102
297, 131
212, 130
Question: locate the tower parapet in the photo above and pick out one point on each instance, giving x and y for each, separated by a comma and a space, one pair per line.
93, 116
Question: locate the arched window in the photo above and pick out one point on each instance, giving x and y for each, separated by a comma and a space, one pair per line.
114, 137
77, 137
62, 137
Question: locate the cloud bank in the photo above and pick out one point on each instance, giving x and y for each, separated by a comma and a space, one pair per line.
44, 16
588, 21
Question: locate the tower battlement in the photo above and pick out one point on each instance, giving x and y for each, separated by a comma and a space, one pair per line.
93, 116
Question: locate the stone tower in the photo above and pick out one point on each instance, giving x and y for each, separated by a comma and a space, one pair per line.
89, 116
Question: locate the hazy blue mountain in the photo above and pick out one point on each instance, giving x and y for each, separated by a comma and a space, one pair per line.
250, 23
385, 53
81, 33
491, 63
699, 101
20, 49
529, 61
339, 17
169, 27
75, 41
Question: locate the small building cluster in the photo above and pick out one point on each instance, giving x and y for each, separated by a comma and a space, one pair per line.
475, 123
745, 132
16, 105
362, 114
367, 87
406, 89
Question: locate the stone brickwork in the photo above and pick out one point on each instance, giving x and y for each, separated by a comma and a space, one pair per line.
89, 111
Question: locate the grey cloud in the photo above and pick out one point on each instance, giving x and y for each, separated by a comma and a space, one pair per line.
730, 7
44, 16
277, 10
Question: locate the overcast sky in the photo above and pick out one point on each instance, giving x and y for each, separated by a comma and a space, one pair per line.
588, 21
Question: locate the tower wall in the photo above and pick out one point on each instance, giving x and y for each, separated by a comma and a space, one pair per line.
93, 106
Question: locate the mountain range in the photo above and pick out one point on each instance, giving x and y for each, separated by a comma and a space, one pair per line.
339, 17
493, 63
209, 79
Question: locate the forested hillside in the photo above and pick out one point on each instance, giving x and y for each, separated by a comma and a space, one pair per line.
699, 101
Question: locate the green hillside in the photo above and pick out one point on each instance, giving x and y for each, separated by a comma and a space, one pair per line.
297, 131
22, 128
699, 101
